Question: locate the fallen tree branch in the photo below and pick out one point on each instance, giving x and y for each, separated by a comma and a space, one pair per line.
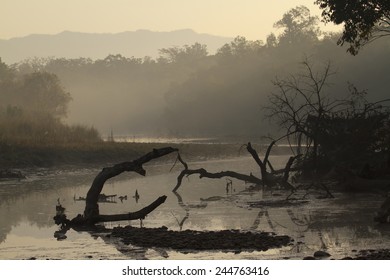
91, 206
139, 215
203, 173
91, 212
268, 179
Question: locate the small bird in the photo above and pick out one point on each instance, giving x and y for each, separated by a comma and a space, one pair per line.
136, 196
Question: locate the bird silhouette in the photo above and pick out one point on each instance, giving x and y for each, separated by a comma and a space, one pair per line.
136, 196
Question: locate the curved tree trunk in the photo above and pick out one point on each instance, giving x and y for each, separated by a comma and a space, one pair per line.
91, 210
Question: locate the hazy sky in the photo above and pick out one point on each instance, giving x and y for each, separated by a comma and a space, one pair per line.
250, 18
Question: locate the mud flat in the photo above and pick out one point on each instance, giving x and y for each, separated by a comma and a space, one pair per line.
224, 240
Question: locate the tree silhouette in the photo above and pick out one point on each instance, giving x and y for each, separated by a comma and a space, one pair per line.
364, 20
298, 25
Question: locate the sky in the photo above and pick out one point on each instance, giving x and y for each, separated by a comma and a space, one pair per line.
252, 19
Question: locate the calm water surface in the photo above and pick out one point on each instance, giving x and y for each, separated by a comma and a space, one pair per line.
338, 226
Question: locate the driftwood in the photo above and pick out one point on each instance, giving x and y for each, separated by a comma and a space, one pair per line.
267, 178
271, 178
204, 173
91, 213
139, 215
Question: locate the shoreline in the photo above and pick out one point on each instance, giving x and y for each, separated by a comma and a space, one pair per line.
101, 154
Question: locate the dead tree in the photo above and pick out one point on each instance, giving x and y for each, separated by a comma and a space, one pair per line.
267, 178
91, 213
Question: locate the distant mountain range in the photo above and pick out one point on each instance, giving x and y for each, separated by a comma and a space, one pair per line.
68, 44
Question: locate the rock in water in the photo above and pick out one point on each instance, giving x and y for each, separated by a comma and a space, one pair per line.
321, 254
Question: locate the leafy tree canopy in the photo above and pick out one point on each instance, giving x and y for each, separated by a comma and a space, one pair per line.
183, 54
298, 25
36, 91
364, 20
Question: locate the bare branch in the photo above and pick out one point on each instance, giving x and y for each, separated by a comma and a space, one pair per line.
140, 214
205, 174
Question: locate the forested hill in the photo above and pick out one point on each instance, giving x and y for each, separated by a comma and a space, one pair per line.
68, 44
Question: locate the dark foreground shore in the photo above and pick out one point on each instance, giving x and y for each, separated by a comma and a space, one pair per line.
236, 241
224, 240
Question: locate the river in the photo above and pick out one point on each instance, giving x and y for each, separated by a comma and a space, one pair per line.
339, 226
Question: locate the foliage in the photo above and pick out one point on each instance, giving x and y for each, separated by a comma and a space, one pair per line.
299, 26
37, 91
185, 54
239, 48
32, 107
364, 20
42, 91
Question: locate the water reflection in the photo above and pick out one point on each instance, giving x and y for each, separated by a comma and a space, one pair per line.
186, 207
337, 225
34, 199
136, 196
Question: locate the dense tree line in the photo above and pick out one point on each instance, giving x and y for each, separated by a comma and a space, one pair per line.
188, 92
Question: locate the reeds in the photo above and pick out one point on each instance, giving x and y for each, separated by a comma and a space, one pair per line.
36, 129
